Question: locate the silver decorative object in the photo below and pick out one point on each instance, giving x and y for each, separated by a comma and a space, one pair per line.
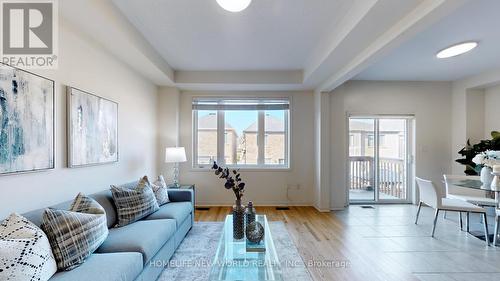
250, 213
255, 232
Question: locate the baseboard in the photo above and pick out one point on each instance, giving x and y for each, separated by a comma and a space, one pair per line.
321, 210
265, 204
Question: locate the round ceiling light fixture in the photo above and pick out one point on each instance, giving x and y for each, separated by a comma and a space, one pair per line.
234, 6
456, 50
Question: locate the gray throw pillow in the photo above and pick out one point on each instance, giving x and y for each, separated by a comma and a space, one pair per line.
75, 234
134, 204
160, 189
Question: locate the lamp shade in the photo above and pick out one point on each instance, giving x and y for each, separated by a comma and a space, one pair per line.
175, 155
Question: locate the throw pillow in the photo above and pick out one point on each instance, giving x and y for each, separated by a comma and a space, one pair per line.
75, 234
134, 204
25, 252
160, 189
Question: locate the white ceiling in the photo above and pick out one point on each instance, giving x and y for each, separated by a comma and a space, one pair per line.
415, 59
269, 35
274, 44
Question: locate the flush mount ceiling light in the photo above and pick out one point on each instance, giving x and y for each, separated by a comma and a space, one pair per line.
456, 50
234, 5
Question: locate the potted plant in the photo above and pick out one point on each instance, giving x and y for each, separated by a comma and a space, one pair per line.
470, 151
234, 183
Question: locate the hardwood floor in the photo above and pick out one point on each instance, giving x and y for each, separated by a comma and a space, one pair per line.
380, 244
321, 237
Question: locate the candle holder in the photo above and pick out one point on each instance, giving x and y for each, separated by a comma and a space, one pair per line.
495, 183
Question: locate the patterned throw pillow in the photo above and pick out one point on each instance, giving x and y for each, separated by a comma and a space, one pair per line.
134, 204
75, 234
25, 252
160, 189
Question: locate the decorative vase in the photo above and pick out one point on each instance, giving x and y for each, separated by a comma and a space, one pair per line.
238, 220
486, 176
250, 213
495, 183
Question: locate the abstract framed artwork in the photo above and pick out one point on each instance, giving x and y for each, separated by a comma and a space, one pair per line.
92, 129
27, 136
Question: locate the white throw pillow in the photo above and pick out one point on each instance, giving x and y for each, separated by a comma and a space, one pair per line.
25, 252
160, 189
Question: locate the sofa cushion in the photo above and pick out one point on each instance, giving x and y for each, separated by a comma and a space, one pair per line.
134, 204
173, 210
104, 199
104, 267
160, 189
75, 234
145, 237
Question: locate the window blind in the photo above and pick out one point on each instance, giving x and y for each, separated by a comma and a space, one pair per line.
240, 104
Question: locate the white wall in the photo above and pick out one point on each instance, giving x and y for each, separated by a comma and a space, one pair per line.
168, 127
475, 115
491, 110
263, 187
475, 101
322, 151
85, 65
430, 102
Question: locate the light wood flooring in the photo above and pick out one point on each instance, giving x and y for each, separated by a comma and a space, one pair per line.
380, 244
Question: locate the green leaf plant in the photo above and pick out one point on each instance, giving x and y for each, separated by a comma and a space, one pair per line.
471, 150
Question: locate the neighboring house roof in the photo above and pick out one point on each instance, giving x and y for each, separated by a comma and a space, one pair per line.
272, 123
388, 126
209, 122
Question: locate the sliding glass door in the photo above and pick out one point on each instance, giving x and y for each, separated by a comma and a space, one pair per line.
379, 166
362, 159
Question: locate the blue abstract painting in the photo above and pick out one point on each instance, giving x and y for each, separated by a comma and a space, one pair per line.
93, 129
26, 121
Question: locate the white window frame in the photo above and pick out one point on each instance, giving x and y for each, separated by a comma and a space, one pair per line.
260, 138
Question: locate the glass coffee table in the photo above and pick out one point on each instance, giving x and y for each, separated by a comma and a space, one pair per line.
233, 262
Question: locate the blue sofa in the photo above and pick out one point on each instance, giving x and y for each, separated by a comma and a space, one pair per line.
139, 251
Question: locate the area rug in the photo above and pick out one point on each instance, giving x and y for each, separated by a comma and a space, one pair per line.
192, 260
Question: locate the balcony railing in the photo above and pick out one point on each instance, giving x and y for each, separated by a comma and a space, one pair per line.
392, 180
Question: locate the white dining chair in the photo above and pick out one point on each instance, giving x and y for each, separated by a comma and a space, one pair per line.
433, 197
476, 197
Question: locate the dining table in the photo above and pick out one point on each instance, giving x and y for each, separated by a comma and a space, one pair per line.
476, 184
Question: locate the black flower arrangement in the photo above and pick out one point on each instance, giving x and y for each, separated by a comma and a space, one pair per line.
233, 180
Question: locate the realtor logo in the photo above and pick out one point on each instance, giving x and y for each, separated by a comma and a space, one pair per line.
29, 33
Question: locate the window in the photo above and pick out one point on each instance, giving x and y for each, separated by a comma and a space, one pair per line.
205, 138
381, 140
371, 140
241, 132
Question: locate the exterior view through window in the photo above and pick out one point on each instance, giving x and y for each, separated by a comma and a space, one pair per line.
380, 158
241, 132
